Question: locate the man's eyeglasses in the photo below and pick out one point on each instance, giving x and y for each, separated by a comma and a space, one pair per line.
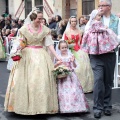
103, 5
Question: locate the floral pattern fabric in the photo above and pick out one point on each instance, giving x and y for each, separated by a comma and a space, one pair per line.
98, 39
70, 93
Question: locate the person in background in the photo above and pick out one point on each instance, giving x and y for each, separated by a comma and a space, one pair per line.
54, 35
7, 32
14, 24
9, 17
82, 24
57, 19
59, 37
2, 49
3, 32
12, 34
86, 19
83, 70
62, 26
2, 22
19, 23
51, 23
44, 22
7, 24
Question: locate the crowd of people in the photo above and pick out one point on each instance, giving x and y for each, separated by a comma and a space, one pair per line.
9, 26
86, 47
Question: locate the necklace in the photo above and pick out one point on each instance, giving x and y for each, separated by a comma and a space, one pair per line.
35, 28
73, 28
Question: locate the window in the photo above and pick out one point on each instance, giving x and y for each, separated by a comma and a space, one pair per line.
73, 12
39, 4
87, 6
28, 7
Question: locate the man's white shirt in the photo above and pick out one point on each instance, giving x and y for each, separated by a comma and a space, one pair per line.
106, 23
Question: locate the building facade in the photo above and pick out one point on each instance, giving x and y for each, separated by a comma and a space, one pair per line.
3, 6
64, 8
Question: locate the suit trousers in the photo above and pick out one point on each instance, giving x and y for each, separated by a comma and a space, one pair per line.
103, 68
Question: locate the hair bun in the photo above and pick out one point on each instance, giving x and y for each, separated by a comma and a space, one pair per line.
33, 16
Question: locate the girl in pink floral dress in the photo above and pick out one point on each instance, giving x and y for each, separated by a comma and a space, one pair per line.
70, 94
98, 39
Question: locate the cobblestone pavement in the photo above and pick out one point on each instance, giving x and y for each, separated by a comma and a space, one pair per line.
4, 74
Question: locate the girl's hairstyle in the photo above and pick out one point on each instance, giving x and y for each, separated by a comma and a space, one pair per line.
62, 41
33, 16
71, 18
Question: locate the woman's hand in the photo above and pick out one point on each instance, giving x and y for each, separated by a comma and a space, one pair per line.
58, 63
58, 58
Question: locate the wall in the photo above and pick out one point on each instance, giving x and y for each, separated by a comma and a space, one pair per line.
115, 6
51, 4
58, 7
13, 7
73, 7
2, 6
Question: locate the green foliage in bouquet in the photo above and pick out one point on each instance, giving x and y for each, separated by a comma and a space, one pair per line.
61, 71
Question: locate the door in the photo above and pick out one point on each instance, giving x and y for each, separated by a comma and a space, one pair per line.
39, 4
87, 6
28, 7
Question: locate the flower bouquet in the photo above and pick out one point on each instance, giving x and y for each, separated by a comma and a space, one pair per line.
16, 58
70, 41
61, 71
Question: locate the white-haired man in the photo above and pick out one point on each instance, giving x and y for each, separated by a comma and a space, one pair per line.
103, 65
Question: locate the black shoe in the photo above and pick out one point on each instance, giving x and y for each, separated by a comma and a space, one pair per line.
97, 114
107, 112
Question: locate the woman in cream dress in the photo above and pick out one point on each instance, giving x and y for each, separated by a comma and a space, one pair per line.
31, 88
84, 71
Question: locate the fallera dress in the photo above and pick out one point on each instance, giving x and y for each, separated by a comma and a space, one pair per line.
98, 39
83, 70
2, 50
32, 88
70, 93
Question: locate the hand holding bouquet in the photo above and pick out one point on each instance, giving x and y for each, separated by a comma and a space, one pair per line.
15, 51
61, 71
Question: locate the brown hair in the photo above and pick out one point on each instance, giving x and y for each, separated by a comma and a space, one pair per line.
60, 36
33, 16
62, 41
80, 18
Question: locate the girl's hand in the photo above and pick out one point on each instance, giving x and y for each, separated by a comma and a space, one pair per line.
72, 59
